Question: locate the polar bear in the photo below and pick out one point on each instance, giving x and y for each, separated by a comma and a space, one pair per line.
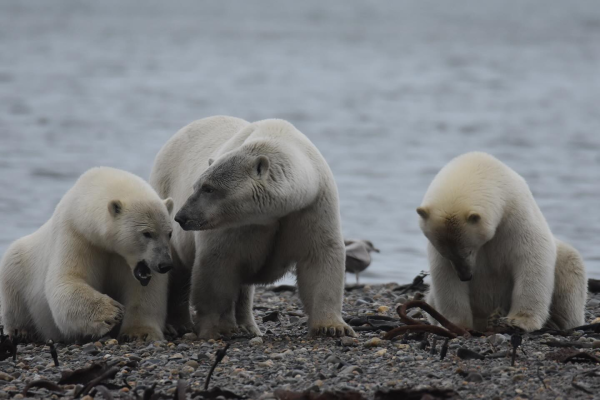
255, 200
492, 253
89, 267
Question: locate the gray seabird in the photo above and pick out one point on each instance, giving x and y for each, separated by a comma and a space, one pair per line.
358, 256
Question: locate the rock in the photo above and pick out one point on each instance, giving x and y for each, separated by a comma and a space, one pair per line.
319, 383
266, 364
3, 394
187, 369
256, 341
350, 370
467, 354
496, 339
374, 342
332, 360
381, 352
349, 341
383, 309
183, 346
176, 356
517, 378
271, 317
596, 344
593, 303
474, 377
192, 363
190, 336
6, 377
361, 302
90, 349
596, 320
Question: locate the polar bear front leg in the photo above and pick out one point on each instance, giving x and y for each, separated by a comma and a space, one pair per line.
214, 291
243, 311
449, 295
532, 293
78, 309
321, 289
145, 308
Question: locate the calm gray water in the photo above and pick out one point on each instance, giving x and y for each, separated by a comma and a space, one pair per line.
389, 91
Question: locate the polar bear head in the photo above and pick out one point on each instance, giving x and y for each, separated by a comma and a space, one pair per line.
457, 236
140, 232
235, 190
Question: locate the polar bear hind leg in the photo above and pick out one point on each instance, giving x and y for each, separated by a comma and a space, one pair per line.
15, 315
570, 289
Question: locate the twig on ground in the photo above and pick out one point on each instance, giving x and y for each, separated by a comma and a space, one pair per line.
449, 330
219, 356
108, 374
53, 353
444, 349
515, 340
44, 384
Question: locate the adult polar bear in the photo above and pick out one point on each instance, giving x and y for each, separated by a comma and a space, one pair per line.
492, 252
75, 277
267, 203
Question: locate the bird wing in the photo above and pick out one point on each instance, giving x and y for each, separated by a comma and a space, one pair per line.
359, 252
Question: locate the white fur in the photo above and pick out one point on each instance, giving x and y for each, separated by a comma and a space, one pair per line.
508, 246
275, 206
72, 278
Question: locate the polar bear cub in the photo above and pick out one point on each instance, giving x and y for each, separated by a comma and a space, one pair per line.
90, 266
492, 252
255, 200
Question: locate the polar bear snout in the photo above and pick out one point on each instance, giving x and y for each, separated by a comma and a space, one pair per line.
189, 224
463, 269
165, 267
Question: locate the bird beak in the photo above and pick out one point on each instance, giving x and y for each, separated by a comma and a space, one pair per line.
376, 250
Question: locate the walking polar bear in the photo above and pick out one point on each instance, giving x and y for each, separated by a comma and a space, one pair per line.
254, 200
492, 254
77, 276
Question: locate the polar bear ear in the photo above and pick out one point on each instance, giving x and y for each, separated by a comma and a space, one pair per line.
422, 212
115, 208
261, 167
169, 204
210, 161
474, 217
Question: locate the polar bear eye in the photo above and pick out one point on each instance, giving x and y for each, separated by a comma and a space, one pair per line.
206, 189
148, 235
170, 234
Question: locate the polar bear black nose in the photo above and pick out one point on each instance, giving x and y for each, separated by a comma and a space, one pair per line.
181, 220
165, 267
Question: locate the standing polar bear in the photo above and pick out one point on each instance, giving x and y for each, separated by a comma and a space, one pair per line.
77, 276
260, 199
492, 254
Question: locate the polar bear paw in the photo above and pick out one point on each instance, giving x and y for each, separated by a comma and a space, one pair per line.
249, 328
332, 328
140, 333
522, 322
108, 315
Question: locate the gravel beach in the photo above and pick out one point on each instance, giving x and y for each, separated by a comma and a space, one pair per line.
285, 359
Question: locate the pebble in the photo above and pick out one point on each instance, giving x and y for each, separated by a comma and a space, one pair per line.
266, 364
474, 377
349, 370
190, 336
349, 341
176, 356
381, 352
6, 377
383, 309
256, 341
192, 363
374, 342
